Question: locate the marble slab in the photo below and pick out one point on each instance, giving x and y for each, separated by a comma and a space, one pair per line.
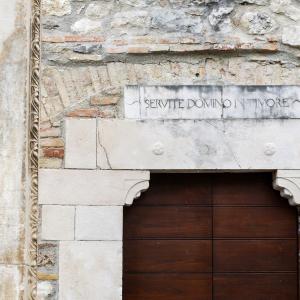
212, 102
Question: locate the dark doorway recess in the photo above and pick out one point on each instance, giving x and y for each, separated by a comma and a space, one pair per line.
210, 236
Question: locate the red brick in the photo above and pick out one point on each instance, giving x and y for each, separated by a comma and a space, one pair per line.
104, 100
84, 112
53, 152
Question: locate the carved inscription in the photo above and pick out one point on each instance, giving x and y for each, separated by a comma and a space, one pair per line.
212, 102
216, 103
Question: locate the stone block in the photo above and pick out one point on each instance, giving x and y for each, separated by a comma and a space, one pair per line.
50, 163
90, 270
80, 151
200, 144
56, 7
86, 26
90, 187
291, 36
51, 142
12, 282
102, 223
58, 222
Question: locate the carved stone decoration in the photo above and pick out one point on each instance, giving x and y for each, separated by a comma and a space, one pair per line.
33, 147
288, 183
136, 190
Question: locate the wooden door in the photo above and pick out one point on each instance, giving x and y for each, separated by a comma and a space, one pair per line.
218, 236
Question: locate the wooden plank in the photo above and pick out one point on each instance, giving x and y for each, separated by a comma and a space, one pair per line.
168, 256
254, 222
168, 222
167, 287
177, 189
245, 189
254, 255
255, 286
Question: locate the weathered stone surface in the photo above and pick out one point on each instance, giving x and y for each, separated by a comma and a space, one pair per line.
99, 10
88, 267
47, 260
287, 8
279, 6
14, 61
218, 13
85, 26
56, 7
80, 143
257, 22
258, 2
203, 145
50, 163
50, 132
291, 36
12, 282
133, 19
45, 290
58, 222
52, 142
102, 223
174, 21
91, 187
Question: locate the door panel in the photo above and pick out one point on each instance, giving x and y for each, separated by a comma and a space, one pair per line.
255, 286
168, 222
210, 236
168, 256
167, 287
177, 190
252, 189
254, 222
255, 255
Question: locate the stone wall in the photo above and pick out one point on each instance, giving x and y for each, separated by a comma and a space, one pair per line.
14, 51
92, 49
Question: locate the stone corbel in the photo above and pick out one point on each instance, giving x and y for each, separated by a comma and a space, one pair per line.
288, 183
136, 190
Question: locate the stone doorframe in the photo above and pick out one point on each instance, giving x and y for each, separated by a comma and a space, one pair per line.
107, 166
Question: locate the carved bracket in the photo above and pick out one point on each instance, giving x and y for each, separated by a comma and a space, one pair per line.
135, 191
288, 183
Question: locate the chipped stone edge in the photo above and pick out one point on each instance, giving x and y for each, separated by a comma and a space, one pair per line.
288, 183
33, 148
